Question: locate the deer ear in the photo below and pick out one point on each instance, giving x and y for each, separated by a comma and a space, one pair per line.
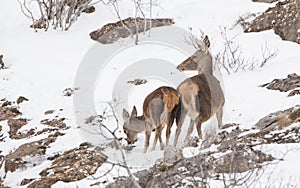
206, 41
125, 115
134, 112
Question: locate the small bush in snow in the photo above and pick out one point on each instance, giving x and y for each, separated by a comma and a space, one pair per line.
58, 13
231, 59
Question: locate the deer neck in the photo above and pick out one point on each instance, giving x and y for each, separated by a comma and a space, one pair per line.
207, 66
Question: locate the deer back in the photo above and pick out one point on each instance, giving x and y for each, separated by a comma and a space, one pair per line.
159, 103
201, 94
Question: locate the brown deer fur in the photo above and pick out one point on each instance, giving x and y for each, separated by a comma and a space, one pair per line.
201, 95
159, 109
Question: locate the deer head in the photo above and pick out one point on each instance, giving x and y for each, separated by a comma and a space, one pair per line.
132, 125
201, 60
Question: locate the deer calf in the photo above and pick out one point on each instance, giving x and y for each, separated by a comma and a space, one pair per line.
159, 109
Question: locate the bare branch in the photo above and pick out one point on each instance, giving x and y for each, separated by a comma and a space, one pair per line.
61, 13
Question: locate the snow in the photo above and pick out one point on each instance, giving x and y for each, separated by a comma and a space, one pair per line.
41, 65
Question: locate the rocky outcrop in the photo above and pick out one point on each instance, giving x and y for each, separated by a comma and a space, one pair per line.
284, 18
58, 123
235, 153
7, 110
72, 165
292, 82
112, 32
15, 125
16, 159
279, 120
21, 99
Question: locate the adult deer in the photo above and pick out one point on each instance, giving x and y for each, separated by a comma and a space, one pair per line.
201, 95
159, 109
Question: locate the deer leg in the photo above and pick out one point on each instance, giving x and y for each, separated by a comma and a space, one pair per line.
199, 122
169, 126
190, 130
179, 122
147, 138
157, 136
161, 142
219, 115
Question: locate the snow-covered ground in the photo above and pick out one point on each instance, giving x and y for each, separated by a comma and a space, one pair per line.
41, 65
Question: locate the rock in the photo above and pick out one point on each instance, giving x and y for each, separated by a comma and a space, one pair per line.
6, 103
294, 92
26, 181
291, 82
244, 158
112, 32
172, 155
21, 99
69, 91
1, 184
234, 152
15, 160
192, 142
15, 125
72, 165
49, 112
137, 81
7, 111
40, 24
89, 10
59, 123
278, 120
94, 120
284, 18
1, 62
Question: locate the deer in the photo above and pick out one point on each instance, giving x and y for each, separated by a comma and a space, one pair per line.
159, 110
201, 96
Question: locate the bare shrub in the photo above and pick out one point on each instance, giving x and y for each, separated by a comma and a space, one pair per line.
111, 134
231, 59
58, 13
195, 40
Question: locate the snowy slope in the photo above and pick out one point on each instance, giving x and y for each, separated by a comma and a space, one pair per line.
41, 65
